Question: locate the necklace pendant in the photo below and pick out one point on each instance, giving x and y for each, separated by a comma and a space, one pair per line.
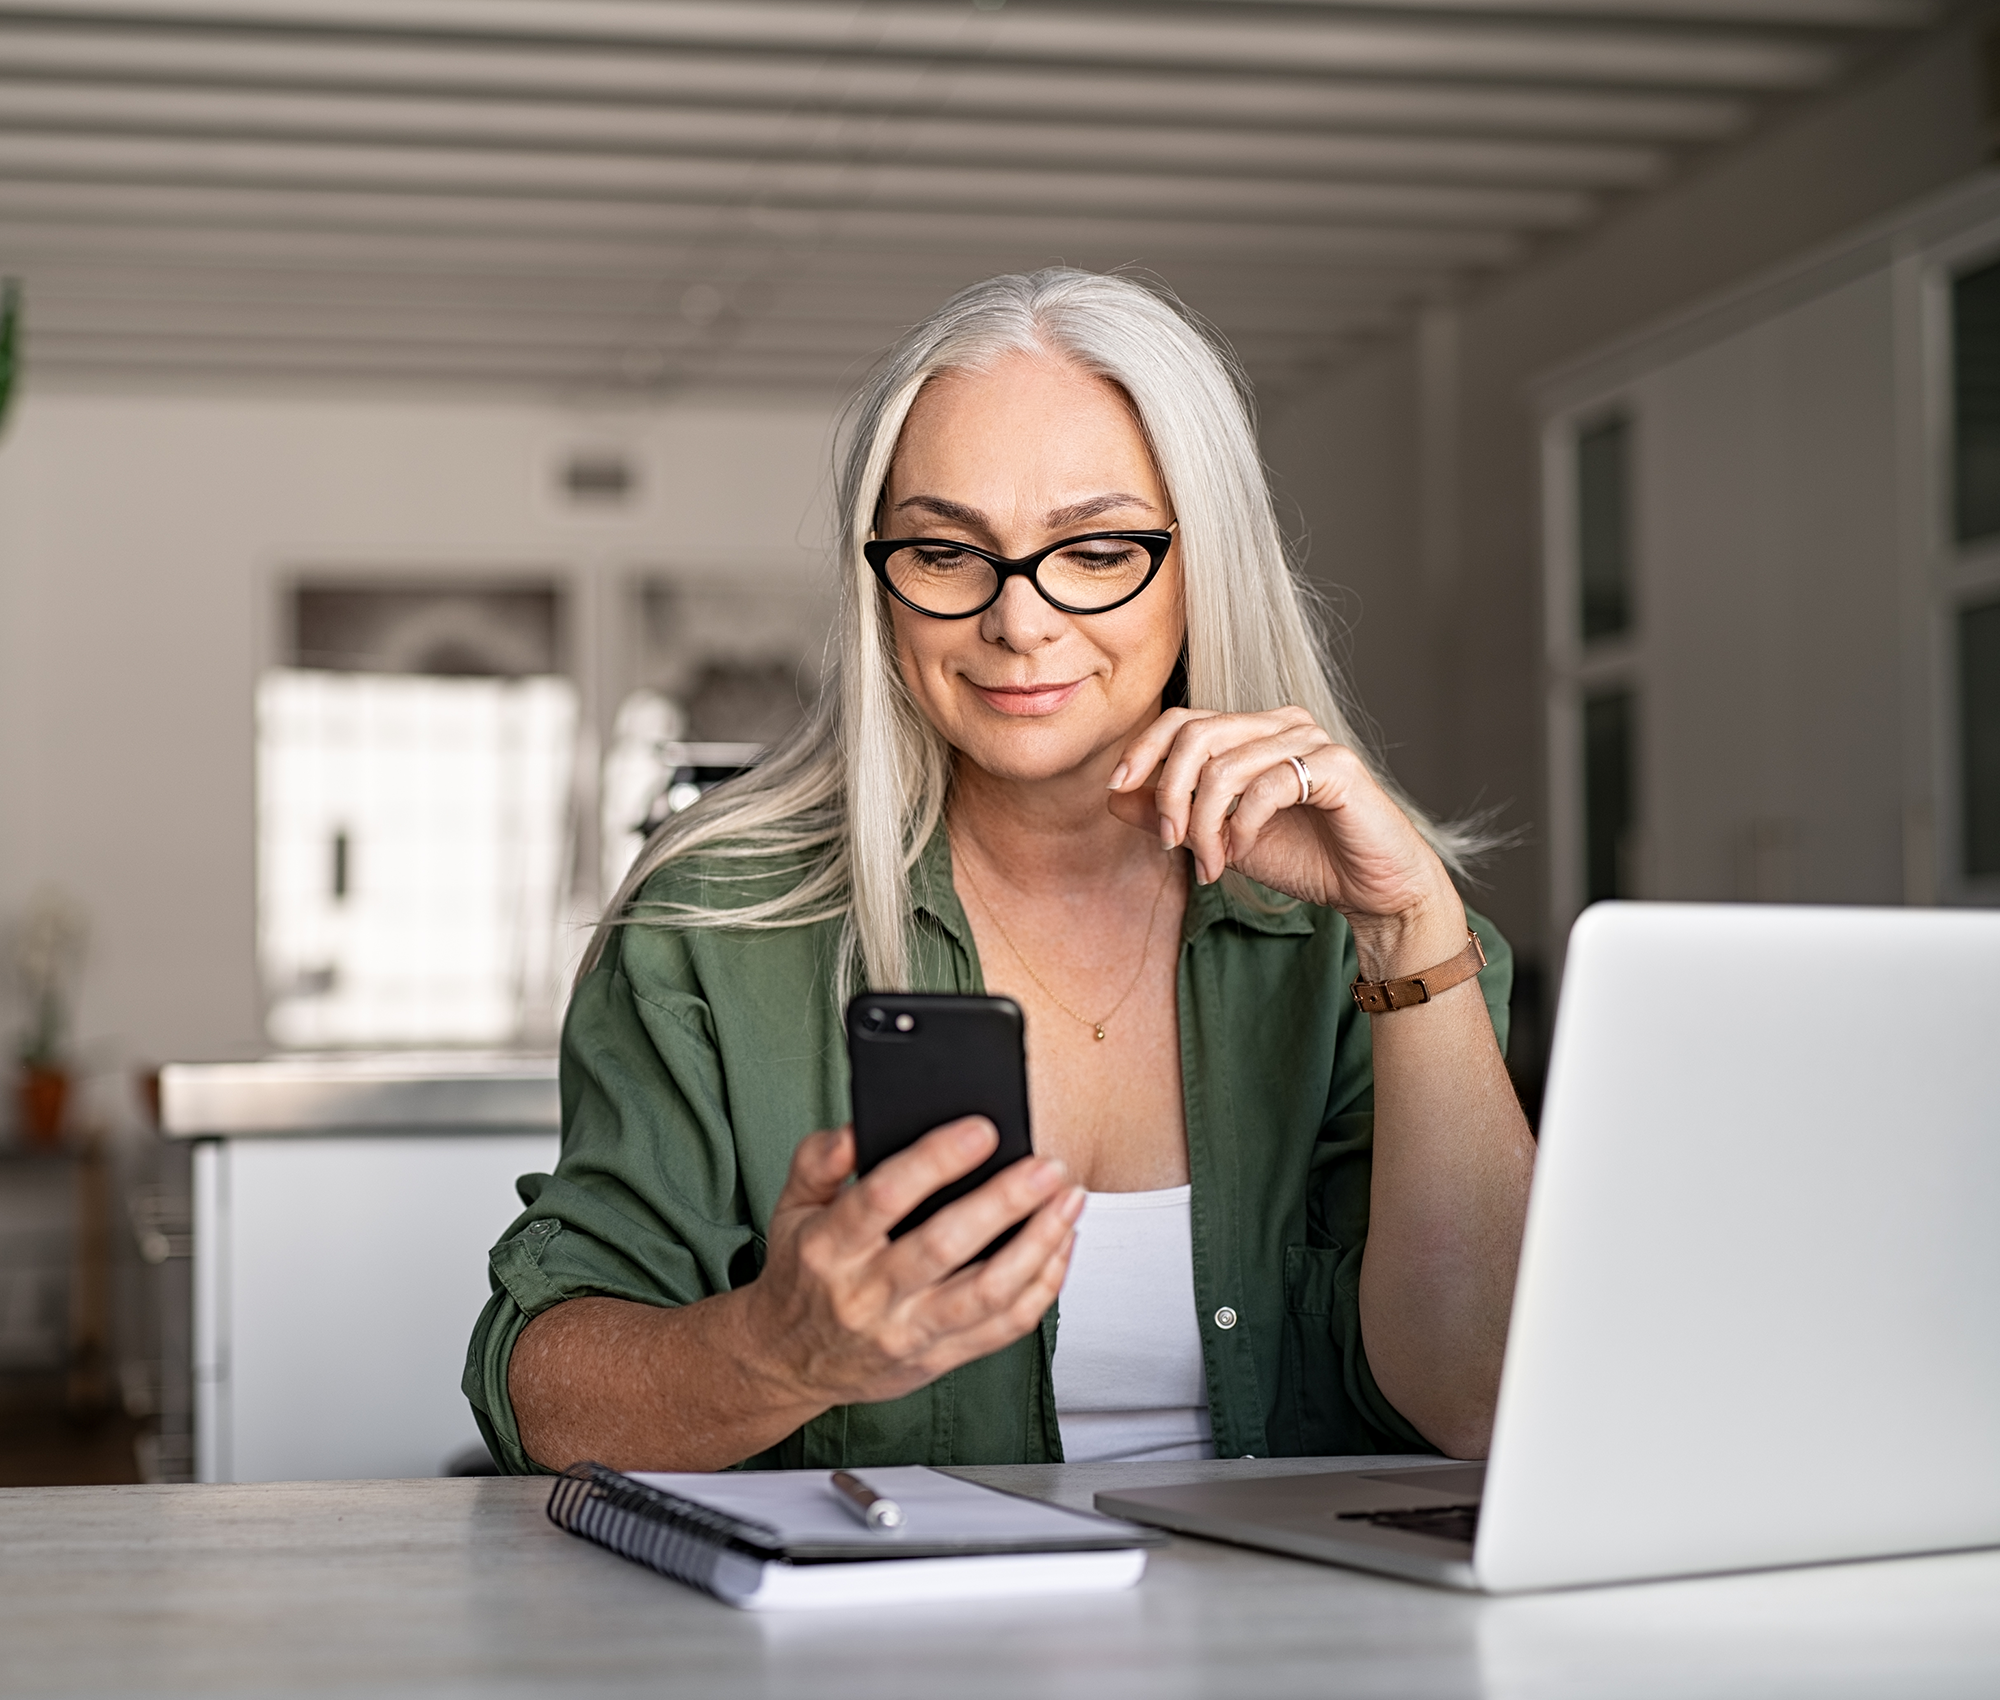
1100, 1030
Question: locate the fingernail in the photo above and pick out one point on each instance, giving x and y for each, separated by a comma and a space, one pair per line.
1166, 832
978, 1131
1200, 874
1072, 1206
1119, 775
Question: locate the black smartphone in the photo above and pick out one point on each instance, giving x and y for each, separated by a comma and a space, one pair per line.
921, 1059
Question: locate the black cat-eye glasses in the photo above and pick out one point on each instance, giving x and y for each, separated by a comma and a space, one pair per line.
951, 580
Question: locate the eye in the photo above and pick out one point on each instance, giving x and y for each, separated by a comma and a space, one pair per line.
1104, 556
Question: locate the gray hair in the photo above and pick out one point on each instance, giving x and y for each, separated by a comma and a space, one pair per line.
850, 798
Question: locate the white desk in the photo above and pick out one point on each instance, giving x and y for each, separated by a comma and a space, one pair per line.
461, 1588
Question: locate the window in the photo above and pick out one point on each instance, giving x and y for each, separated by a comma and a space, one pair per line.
1595, 653
1609, 794
1970, 590
1603, 527
413, 816
1979, 736
412, 853
1975, 388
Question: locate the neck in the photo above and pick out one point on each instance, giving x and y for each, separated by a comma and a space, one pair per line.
1051, 834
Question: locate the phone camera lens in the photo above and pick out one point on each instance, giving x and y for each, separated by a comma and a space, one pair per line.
905, 1022
875, 1019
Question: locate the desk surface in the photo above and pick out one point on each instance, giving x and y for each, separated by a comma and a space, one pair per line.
464, 1588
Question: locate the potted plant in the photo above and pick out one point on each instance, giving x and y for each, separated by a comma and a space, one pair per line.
47, 956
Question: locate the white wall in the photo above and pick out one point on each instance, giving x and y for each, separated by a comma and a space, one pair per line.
1347, 479
143, 542
1408, 476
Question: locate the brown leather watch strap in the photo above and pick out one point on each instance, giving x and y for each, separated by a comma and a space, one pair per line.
1378, 997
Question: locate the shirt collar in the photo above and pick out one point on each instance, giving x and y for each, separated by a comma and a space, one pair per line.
932, 892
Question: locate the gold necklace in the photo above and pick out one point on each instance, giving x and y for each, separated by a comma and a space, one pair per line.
1146, 950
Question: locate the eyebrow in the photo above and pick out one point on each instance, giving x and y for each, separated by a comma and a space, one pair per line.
1075, 514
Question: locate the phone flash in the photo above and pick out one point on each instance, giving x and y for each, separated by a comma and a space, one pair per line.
905, 1022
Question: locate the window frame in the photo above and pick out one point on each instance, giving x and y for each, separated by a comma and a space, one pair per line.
1576, 669
1944, 576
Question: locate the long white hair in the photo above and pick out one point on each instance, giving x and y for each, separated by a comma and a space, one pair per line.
844, 805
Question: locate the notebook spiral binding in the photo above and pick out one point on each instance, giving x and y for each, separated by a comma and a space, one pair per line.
674, 1536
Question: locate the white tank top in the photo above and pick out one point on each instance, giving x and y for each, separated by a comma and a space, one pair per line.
1128, 1369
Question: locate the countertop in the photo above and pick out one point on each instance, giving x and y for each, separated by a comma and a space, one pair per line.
350, 1092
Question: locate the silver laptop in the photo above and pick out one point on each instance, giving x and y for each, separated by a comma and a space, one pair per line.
1758, 1314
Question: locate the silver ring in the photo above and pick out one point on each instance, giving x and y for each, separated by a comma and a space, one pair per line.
1305, 778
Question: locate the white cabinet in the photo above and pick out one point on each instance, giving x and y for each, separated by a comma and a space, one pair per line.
340, 1255
1784, 686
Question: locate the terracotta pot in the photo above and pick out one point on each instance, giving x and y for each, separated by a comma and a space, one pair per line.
44, 1095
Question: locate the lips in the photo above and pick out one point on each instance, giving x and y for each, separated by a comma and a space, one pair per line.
1027, 701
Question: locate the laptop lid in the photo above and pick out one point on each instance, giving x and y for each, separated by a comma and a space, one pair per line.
1758, 1314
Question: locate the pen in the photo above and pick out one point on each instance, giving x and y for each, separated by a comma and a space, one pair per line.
866, 1503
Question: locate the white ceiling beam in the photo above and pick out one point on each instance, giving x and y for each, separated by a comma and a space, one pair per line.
263, 321
507, 368
71, 252
413, 123
561, 240
630, 227
1257, 323
766, 83
831, 340
801, 184
817, 321
1826, 14
1291, 303
831, 283
504, 364
501, 358
1328, 43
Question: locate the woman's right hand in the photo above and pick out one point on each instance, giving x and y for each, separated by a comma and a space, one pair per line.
844, 1315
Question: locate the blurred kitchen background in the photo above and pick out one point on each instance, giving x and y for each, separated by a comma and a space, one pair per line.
413, 481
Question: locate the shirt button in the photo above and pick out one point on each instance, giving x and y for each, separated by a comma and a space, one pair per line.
1225, 1318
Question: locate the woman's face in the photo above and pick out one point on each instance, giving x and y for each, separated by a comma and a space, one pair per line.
1012, 459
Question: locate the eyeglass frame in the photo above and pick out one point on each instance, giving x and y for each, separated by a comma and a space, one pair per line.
1157, 545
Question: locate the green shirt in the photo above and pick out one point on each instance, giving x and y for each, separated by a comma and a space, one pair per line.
695, 1059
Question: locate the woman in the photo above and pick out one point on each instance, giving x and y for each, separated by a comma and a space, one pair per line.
1301, 1233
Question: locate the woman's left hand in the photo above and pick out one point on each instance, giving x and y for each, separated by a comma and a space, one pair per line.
1346, 845
1448, 1185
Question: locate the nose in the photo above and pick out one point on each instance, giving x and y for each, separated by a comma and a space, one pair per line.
1021, 620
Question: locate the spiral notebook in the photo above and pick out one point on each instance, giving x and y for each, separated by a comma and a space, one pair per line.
783, 1539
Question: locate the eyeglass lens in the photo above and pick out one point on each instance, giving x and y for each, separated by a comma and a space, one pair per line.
1085, 575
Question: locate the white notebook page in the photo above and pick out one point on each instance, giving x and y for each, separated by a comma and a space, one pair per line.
802, 1505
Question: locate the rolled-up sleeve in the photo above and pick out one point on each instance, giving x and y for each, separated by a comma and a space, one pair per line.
646, 1203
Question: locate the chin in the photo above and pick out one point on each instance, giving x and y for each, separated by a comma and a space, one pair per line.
1026, 753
